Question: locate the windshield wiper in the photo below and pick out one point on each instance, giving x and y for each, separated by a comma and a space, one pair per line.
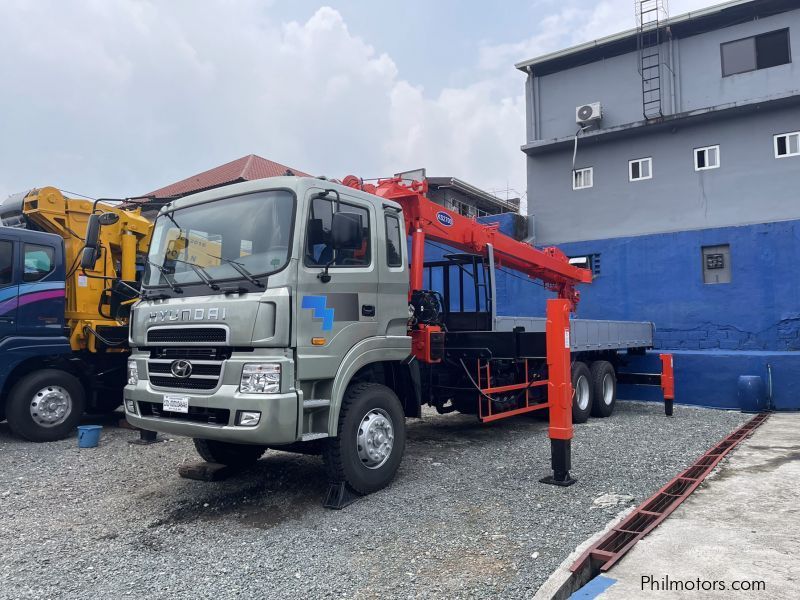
240, 269
201, 273
172, 284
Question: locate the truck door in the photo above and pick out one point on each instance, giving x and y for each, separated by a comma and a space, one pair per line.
41, 290
333, 317
9, 290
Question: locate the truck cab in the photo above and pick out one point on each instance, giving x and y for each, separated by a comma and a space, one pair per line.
32, 330
269, 310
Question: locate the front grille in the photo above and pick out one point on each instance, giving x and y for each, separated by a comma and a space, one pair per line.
196, 414
184, 384
197, 368
187, 335
191, 353
206, 368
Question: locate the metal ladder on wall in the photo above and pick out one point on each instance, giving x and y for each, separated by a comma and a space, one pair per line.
650, 17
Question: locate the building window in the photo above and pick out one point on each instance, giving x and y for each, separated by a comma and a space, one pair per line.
787, 144
717, 264
757, 52
582, 178
639, 169
706, 158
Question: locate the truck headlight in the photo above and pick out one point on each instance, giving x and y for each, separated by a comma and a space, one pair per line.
133, 373
261, 378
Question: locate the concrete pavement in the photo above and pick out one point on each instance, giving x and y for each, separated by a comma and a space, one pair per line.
741, 528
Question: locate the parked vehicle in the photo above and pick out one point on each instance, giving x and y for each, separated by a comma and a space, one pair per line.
63, 327
287, 313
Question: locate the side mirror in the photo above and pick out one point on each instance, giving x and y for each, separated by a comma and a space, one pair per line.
347, 232
92, 232
108, 218
89, 258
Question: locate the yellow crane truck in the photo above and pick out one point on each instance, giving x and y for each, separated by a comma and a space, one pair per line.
63, 322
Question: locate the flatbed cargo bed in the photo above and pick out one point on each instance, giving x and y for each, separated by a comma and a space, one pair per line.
590, 335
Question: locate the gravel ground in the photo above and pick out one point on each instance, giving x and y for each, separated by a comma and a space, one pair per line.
465, 517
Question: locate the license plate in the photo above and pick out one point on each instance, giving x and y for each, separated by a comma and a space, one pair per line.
178, 404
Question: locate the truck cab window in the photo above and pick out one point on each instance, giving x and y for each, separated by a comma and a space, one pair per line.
38, 262
318, 252
6, 262
394, 248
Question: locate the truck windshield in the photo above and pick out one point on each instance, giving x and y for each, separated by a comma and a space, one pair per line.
252, 232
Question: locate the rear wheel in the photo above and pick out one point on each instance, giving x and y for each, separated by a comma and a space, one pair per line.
226, 453
581, 392
45, 405
604, 382
372, 437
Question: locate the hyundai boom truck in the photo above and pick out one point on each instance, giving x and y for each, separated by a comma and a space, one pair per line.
286, 313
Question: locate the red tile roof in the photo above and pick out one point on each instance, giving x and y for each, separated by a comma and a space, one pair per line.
246, 168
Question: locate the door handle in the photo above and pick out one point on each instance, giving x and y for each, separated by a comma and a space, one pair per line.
9, 320
367, 310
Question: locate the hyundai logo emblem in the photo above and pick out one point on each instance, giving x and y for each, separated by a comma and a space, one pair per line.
181, 368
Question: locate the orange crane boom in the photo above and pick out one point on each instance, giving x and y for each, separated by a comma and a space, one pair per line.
427, 220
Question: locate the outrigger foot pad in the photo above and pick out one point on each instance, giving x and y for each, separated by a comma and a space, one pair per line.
559, 480
339, 496
145, 438
207, 471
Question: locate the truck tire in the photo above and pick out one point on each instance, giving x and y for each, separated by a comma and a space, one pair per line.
604, 383
581, 392
226, 453
372, 437
45, 405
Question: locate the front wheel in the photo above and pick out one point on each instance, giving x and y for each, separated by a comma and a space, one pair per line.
226, 453
45, 405
372, 437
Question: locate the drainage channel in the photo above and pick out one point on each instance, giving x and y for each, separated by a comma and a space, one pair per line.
610, 548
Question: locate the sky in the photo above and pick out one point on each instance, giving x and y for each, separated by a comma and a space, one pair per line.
116, 98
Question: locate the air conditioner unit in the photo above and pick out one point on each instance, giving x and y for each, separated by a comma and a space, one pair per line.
588, 113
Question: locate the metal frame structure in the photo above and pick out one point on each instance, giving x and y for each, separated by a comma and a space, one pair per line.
609, 549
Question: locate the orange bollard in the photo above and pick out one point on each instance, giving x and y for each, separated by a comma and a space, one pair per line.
667, 383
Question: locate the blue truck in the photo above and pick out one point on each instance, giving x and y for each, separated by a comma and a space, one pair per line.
63, 325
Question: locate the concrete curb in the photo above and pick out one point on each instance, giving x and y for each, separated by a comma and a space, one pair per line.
563, 582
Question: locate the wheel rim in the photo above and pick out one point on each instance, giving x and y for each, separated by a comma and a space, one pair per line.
51, 406
608, 389
582, 393
375, 438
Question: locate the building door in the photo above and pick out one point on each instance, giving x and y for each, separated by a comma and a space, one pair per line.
333, 317
9, 290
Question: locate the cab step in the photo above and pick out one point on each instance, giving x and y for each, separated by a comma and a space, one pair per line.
316, 403
307, 437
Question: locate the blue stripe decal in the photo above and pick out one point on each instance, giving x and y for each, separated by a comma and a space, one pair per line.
594, 588
26, 288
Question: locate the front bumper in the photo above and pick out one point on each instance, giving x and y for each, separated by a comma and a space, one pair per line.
279, 412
